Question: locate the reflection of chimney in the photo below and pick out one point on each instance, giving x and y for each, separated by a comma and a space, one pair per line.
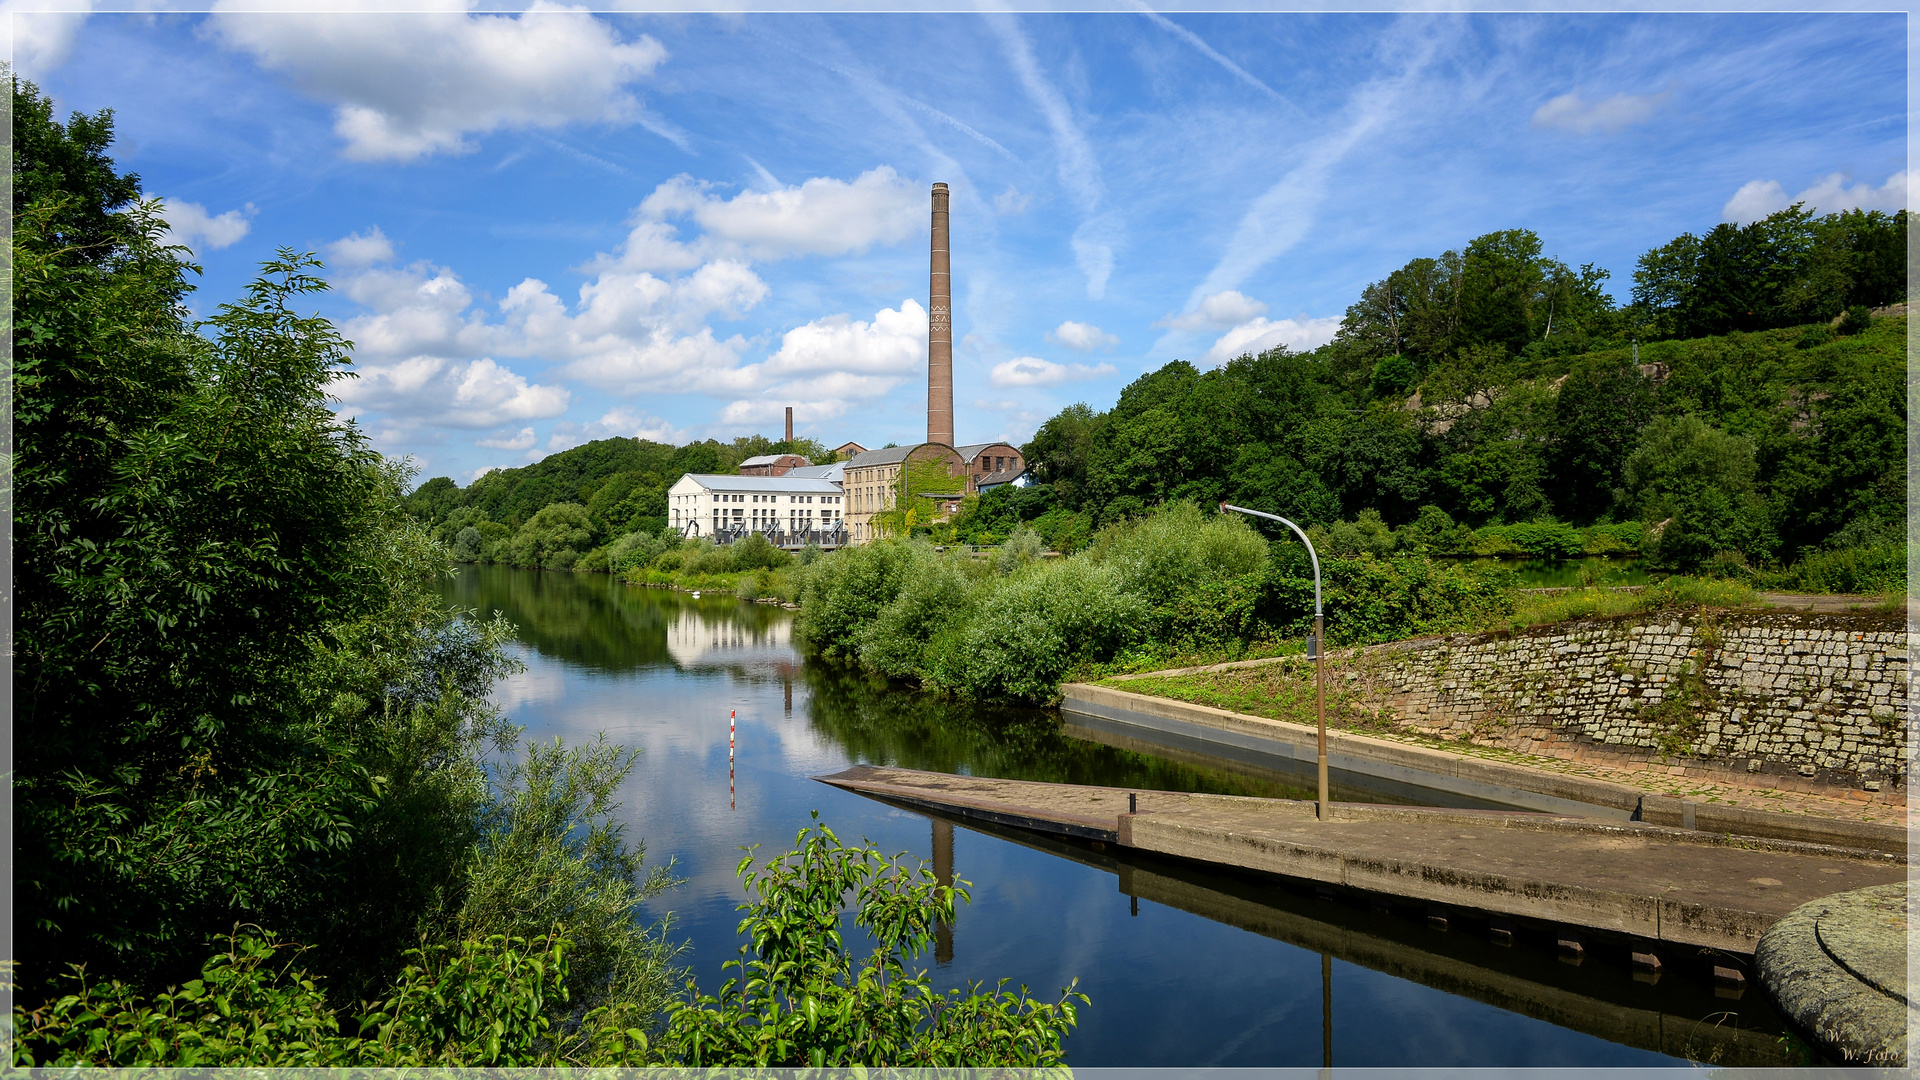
789, 423
943, 872
940, 328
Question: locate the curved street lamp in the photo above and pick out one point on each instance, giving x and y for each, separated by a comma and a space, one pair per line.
1319, 645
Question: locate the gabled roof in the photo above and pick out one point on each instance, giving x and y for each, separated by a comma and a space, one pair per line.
806, 485
835, 472
887, 455
1004, 476
770, 459
972, 450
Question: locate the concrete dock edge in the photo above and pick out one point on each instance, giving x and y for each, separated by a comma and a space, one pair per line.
1516, 785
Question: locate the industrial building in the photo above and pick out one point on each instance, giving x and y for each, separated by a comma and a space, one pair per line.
795, 502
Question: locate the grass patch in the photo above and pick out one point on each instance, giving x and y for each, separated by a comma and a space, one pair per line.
1281, 691
1540, 609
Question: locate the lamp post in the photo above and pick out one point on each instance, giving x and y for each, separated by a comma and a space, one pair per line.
1319, 645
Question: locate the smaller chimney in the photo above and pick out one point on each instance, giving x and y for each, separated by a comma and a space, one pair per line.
789, 423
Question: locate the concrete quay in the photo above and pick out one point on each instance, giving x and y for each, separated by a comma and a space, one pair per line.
1597, 992
1120, 717
1681, 889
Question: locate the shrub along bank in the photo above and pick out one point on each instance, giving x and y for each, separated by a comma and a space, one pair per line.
1181, 584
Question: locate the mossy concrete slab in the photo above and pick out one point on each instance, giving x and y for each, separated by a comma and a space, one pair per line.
1837, 967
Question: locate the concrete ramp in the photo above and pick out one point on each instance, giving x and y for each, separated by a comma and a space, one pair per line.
1685, 889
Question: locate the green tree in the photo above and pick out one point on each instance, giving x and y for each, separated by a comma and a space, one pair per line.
65, 172
1597, 417
190, 519
1503, 281
554, 537
1061, 452
1699, 481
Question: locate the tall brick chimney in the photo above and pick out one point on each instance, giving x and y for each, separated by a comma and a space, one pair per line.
789, 423
940, 328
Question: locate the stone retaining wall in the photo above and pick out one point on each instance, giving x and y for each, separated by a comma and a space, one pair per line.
1818, 699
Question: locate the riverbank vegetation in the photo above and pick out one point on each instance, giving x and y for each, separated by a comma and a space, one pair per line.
265, 812
1179, 584
1742, 416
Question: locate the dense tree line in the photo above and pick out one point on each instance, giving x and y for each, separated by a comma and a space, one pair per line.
1496, 386
622, 483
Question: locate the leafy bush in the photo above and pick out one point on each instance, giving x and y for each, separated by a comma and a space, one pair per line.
552, 858
1542, 539
1875, 570
1619, 538
554, 538
1371, 600
1022, 546
1365, 535
1814, 336
848, 589
936, 593
800, 999
755, 552
1433, 532
1856, 319
1031, 628
1178, 549
635, 549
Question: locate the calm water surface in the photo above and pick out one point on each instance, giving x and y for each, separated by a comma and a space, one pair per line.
1184, 967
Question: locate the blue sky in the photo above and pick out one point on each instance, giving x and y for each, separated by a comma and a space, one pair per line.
553, 226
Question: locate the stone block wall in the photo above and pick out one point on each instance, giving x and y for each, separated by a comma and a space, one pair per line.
1817, 700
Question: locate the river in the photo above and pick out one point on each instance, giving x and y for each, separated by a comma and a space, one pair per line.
1184, 967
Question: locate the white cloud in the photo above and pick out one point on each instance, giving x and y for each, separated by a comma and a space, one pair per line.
619, 422
825, 367
661, 361
894, 342
433, 390
822, 216
1569, 112
407, 85
1259, 335
523, 440
1831, 194
356, 249
420, 309
1222, 309
643, 321
1011, 202
191, 225
1084, 337
39, 34
1033, 371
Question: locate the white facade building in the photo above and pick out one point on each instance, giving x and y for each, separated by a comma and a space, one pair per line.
792, 510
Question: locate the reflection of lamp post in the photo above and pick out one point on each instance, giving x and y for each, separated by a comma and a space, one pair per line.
1319, 644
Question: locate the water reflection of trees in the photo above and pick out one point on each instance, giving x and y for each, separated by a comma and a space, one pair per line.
598, 622
880, 723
